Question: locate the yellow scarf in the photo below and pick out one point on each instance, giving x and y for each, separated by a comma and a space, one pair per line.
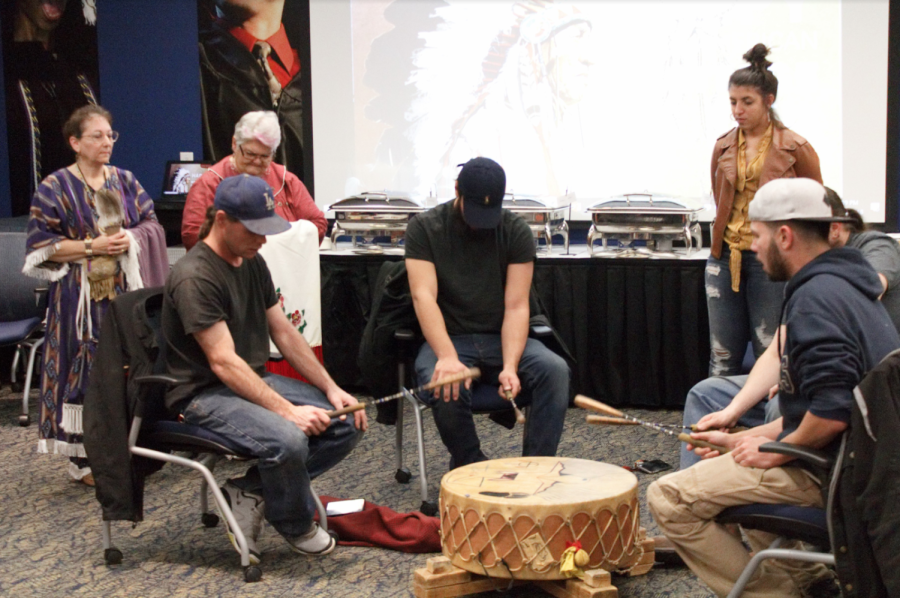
737, 231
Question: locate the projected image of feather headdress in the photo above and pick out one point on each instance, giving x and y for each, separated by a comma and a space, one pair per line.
510, 99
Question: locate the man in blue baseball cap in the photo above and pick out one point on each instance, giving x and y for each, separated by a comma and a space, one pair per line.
219, 310
470, 264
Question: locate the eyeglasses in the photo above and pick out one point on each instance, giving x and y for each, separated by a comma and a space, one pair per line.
254, 156
98, 136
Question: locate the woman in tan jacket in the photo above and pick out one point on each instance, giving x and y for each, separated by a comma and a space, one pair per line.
744, 305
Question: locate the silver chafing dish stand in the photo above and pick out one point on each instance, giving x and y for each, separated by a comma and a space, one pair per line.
546, 216
658, 220
373, 214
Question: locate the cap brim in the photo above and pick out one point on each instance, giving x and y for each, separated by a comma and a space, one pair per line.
478, 215
271, 225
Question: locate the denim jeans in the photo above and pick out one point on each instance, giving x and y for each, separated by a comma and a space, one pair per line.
544, 373
288, 459
750, 315
714, 394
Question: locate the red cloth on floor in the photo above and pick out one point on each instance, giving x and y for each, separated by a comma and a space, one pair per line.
385, 528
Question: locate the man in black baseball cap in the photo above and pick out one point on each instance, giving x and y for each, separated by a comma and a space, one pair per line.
481, 186
219, 310
470, 265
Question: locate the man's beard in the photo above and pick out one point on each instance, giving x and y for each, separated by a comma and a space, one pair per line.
777, 270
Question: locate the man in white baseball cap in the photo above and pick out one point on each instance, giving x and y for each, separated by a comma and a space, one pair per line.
836, 331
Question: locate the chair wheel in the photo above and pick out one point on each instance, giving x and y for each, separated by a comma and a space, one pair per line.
24, 420
209, 519
18, 386
403, 475
334, 535
112, 556
252, 574
428, 508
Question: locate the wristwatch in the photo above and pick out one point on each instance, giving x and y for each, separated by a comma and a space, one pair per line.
88, 250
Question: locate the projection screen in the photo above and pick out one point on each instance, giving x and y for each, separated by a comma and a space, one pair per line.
595, 98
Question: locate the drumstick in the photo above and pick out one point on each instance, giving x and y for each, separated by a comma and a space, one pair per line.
594, 405
696, 442
613, 421
464, 375
600, 419
520, 417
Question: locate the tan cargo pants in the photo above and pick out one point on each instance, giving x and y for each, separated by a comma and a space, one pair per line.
685, 504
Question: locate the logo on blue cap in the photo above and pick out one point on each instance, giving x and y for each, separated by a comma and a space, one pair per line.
252, 201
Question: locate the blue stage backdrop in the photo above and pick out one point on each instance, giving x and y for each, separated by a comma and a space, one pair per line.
150, 79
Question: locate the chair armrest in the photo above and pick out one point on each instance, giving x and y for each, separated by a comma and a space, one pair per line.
159, 379
814, 457
404, 335
540, 331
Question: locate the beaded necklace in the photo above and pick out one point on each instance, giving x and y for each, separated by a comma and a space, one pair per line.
91, 192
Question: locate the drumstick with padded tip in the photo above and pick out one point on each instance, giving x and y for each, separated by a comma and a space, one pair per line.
613, 421
520, 416
594, 405
464, 375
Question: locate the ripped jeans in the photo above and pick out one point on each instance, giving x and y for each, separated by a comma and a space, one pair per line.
750, 315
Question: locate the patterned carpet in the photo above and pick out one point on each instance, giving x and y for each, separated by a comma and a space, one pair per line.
50, 530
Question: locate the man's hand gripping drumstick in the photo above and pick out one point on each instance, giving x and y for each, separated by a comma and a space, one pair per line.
613, 416
466, 375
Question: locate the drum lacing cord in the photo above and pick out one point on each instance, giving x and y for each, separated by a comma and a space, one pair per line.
614, 519
512, 578
638, 545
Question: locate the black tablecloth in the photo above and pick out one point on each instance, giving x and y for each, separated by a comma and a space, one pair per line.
637, 327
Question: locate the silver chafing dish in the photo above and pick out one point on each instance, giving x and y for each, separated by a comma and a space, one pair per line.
373, 214
658, 220
546, 216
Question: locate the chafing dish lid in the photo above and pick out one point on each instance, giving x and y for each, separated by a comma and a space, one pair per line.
381, 201
535, 203
643, 203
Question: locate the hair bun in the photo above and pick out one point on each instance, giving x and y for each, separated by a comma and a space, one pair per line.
756, 56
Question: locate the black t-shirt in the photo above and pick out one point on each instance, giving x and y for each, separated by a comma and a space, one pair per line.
202, 290
470, 264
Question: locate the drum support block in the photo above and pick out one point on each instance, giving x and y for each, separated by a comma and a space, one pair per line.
441, 579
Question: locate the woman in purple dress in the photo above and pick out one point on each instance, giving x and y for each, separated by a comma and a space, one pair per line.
84, 236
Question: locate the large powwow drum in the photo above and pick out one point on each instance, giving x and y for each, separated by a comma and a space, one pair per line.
516, 517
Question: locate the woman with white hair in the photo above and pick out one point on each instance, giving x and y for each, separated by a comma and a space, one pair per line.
256, 137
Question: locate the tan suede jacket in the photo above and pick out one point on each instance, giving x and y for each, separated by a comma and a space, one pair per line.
789, 156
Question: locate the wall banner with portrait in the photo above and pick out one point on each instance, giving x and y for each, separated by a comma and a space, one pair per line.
50, 69
255, 56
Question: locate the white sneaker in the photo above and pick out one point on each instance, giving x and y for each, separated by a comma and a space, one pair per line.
314, 542
248, 510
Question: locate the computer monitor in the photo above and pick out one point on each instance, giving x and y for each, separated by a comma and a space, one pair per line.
178, 178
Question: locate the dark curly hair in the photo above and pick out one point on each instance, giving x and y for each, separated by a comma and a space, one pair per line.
758, 76
857, 225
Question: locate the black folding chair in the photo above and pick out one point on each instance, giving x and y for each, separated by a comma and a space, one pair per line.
153, 435
789, 522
